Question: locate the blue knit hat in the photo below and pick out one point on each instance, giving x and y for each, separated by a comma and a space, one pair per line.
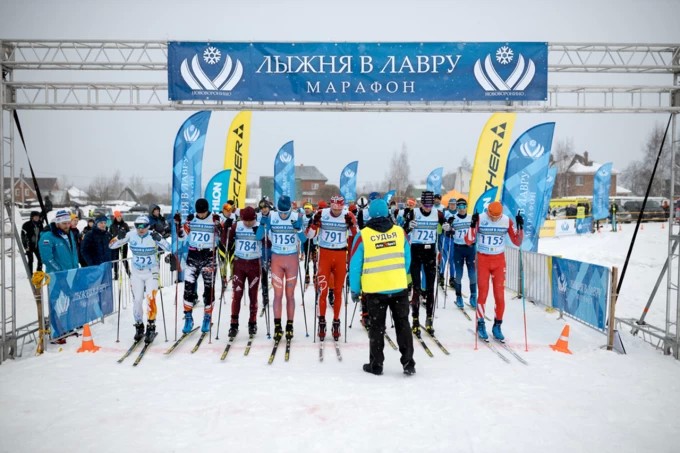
100, 218
377, 208
284, 203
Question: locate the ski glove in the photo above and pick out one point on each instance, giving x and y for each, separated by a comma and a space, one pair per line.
446, 227
520, 221
348, 220
317, 219
177, 217
297, 224
475, 220
216, 218
264, 221
190, 217
156, 236
412, 224
355, 297
121, 234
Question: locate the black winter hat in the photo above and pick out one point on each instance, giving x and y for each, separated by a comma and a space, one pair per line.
427, 198
202, 206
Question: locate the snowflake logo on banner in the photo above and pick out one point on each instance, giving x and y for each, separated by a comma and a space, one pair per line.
562, 283
227, 78
519, 78
212, 55
349, 173
603, 172
191, 133
532, 149
62, 304
434, 177
286, 157
504, 55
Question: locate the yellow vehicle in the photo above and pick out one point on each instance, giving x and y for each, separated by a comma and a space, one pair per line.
566, 207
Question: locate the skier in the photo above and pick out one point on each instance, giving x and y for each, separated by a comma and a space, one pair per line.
144, 245
201, 231
118, 229
421, 227
284, 230
265, 209
228, 219
378, 267
331, 225
247, 251
30, 233
446, 247
463, 253
489, 230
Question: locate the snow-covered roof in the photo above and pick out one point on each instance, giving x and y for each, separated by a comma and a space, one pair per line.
74, 192
622, 190
580, 169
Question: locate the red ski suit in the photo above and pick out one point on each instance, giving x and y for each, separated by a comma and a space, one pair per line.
490, 237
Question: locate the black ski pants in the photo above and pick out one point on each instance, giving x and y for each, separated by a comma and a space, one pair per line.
423, 258
377, 310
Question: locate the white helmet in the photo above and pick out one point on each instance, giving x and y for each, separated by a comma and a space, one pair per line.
142, 220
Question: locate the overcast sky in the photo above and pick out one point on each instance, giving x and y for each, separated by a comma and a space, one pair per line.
78, 146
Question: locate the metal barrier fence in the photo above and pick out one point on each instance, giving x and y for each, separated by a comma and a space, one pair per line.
537, 273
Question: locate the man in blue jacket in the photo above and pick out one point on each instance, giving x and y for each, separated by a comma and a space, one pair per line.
58, 246
95, 246
380, 260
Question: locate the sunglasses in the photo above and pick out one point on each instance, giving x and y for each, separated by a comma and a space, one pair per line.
141, 226
461, 205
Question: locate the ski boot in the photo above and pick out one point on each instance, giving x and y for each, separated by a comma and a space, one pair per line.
139, 332
377, 370
150, 332
459, 302
233, 330
278, 331
205, 327
306, 279
252, 328
496, 330
336, 329
188, 322
322, 328
441, 281
410, 369
473, 300
428, 325
331, 297
289, 330
481, 330
452, 283
416, 327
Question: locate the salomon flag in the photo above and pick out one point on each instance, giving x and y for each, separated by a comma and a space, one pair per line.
434, 180
186, 170
601, 187
348, 181
284, 172
217, 190
525, 178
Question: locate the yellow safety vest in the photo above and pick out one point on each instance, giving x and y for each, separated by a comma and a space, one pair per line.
384, 266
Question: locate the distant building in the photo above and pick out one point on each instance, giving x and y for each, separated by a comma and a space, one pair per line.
578, 178
24, 190
308, 182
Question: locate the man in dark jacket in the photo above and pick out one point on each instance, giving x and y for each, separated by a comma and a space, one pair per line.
119, 228
30, 232
157, 222
95, 246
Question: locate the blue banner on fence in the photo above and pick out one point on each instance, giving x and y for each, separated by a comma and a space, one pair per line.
284, 172
358, 72
434, 180
580, 289
525, 177
601, 186
78, 296
348, 181
584, 225
217, 190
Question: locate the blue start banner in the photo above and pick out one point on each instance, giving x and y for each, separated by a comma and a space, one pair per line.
78, 296
348, 181
357, 72
580, 289
284, 172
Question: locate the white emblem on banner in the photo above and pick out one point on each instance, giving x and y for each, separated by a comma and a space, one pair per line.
518, 80
349, 173
191, 133
562, 283
62, 303
532, 149
285, 157
197, 79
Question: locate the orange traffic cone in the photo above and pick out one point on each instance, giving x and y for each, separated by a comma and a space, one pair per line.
663, 225
620, 227
562, 344
88, 344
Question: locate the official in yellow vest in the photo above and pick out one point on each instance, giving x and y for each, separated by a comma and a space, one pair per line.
380, 259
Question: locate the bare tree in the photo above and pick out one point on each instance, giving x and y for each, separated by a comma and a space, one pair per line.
637, 174
327, 191
561, 158
397, 177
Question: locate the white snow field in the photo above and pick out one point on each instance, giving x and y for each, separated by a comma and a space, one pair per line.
469, 401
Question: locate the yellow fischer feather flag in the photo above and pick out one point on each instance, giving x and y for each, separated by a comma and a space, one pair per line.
236, 156
492, 155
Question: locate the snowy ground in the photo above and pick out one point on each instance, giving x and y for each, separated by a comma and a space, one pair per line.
470, 401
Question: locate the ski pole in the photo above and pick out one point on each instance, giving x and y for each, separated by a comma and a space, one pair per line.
160, 291
353, 313
120, 292
265, 285
302, 292
223, 274
524, 304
